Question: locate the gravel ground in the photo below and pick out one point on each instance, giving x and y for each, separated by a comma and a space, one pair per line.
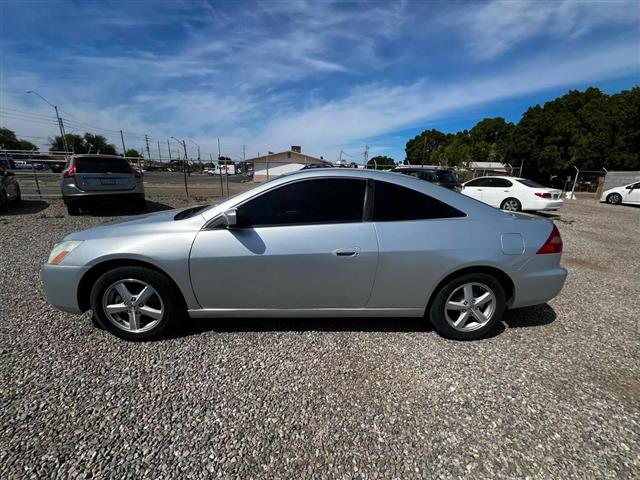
554, 394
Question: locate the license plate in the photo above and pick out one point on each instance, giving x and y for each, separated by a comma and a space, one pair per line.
111, 181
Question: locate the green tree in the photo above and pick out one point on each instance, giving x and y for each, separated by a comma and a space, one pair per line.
132, 152
381, 161
420, 149
88, 143
9, 141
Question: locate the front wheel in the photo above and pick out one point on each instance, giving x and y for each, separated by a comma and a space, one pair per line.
614, 199
135, 303
468, 307
511, 205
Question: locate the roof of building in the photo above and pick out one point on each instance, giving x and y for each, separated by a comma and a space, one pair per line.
487, 165
301, 156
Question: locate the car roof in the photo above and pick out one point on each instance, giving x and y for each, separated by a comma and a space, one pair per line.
471, 207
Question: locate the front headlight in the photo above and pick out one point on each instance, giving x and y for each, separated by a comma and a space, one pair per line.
61, 250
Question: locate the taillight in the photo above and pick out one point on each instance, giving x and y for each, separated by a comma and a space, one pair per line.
135, 171
553, 243
70, 172
543, 194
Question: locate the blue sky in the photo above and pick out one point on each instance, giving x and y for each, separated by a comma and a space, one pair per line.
327, 75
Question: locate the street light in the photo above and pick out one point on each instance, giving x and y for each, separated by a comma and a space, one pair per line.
55, 107
184, 171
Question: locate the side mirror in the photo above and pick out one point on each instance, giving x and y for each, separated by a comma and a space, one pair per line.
230, 218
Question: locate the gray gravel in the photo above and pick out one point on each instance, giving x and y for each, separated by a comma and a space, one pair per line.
555, 394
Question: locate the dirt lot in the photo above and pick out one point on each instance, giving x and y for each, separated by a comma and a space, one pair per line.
554, 394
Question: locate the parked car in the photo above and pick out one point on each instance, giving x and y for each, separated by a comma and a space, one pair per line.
21, 165
9, 187
103, 178
440, 176
315, 243
56, 167
513, 193
626, 194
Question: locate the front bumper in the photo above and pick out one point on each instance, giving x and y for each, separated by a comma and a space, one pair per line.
61, 286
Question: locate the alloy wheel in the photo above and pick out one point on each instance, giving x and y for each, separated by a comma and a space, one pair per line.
133, 305
511, 206
614, 199
470, 307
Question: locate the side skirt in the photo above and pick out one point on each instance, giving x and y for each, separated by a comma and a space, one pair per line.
304, 312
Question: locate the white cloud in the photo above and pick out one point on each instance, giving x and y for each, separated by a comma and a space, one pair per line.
497, 26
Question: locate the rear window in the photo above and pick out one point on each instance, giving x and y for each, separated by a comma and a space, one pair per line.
102, 165
393, 203
447, 177
529, 183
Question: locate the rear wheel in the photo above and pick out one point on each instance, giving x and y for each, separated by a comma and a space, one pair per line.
468, 307
614, 198
511, 205
135, 303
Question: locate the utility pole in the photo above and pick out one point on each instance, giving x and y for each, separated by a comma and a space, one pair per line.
146, 139
60, 124
169, 147
184, 167
366, 156
124, 149
159, 153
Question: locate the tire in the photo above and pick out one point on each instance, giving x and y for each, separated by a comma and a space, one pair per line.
473, 326
154, 317
18, 198
73, 209
614, 198
511, 205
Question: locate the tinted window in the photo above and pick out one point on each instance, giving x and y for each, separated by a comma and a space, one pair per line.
393, 202
529, 183
428, 176
478, 182
446, 176
102, 165
327, 200
500, 182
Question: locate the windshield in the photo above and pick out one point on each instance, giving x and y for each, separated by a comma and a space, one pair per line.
447, 176
529, 183
102, 165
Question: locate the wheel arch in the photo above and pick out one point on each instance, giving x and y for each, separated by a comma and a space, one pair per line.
89, 278
505, 280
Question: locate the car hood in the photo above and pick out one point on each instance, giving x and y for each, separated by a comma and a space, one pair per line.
157, 222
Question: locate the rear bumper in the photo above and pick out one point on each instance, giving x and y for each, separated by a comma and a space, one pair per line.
539, 205
102, 197
73, 190
537, 283
61, 286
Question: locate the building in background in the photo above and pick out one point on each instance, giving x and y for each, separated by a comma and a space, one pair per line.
274, 164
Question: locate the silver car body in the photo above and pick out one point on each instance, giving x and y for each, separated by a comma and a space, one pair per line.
350, 269
100, 184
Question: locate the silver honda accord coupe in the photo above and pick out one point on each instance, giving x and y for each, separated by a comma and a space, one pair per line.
317, 243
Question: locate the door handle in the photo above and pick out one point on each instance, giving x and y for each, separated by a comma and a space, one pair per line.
347, 252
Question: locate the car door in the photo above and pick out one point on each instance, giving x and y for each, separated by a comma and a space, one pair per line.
301, 245
497, 190
417, 237
475, 188
632, 195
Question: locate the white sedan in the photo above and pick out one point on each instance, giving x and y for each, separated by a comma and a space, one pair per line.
626, 194
512, 193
